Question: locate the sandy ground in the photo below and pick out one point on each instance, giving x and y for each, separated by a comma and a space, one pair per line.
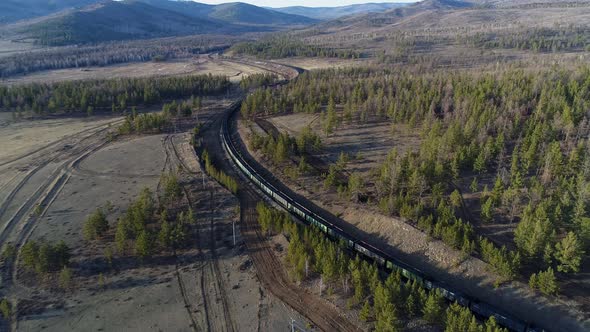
431, 256
23, 137
197, 65
321, 63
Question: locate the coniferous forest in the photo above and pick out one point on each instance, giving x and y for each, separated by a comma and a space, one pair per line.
515, 142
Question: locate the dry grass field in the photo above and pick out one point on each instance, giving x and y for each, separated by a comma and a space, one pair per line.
197, 65
51, 183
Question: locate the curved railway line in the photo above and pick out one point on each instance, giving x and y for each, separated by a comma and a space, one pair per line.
269, 269
221, 137
340, 231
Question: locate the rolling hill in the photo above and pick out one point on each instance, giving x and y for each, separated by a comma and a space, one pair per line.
14, 10
234, 13
327, 13
117, 21
248, 14
467, 15
139, 19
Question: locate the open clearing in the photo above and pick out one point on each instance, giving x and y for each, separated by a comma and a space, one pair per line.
164, 293
21, 138
323, 63
367, 145
51, 184
197, 65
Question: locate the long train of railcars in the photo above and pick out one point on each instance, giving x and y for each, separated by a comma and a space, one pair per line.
336, 233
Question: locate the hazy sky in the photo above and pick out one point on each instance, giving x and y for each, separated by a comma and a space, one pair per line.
308, 3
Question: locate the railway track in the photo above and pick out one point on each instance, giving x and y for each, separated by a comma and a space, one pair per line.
362, 243
320, 313
269, 269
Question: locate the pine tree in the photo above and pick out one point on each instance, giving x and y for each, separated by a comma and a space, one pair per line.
569, 254
533, 281
491, 325
534, 232
95, 226
330, 120
365, 312
455, 198
487, 210
65, 278
474, 185
165, 235
108, 255
387, 320
547, 283
433, 308
5, 309
412, 306
144, 245
121, 236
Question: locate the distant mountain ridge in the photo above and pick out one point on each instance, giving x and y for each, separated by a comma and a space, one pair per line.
116, 21
326, 13
14, 10
233, 12
136, 19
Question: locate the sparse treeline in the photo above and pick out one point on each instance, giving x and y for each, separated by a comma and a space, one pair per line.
524, 136
109, 53
283, 148
146, 228
537, 40
145, 123
227, 181
388, 301
284, 47
48, 260
44, 257
115, 95
257, 80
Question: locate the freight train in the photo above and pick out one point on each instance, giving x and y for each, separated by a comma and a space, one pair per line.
367, 250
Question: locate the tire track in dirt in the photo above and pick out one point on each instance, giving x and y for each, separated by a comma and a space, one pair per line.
43, 197
44, 162
168, 165
218, 317
61, 140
